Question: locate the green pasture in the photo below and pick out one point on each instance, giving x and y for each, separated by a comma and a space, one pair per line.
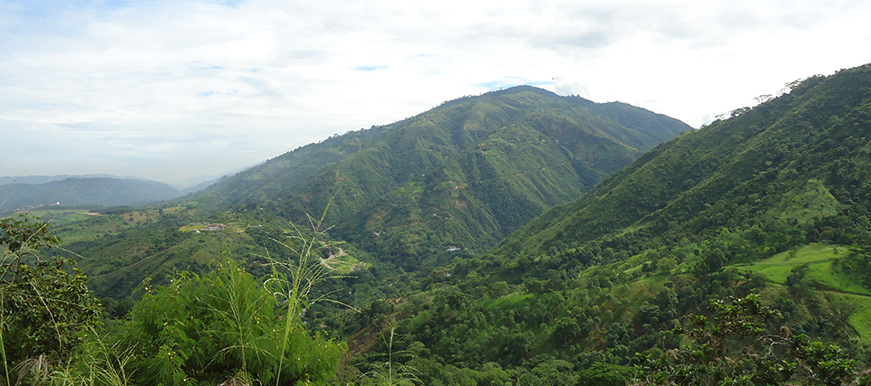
343, 265
510, 301
824, 275
59, 217
822, 271
860, 308
76, 224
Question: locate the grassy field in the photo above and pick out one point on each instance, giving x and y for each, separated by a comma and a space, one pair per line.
344, 265
860, 305
822, 274
510, 301
59, 217
78, 224
821, 260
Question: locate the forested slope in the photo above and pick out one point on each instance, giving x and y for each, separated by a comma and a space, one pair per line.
451, 181
751, 170
773, 202
462, 175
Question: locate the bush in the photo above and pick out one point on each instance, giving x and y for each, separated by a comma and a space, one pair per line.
219, 326
44, 308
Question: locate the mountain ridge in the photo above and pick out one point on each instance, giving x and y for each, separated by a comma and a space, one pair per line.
465, 142
101, 191
750, 143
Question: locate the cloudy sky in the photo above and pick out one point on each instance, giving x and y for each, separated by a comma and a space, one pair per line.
172, 89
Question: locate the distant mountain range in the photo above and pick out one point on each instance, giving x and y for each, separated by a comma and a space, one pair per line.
449, 182
45, 179
101, 191
24, 192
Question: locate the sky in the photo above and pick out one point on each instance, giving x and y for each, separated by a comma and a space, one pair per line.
169, 90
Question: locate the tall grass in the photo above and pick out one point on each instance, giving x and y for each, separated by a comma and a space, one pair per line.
390, 373
293, 279
97, 364
241, 304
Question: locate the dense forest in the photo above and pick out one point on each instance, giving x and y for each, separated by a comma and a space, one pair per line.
515, 237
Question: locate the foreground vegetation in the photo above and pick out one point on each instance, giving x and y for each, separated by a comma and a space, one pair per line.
226, 327
222, 327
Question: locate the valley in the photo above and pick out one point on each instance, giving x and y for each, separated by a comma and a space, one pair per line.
512, 237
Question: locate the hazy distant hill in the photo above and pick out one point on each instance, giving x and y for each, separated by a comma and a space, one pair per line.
198, 183
460, 176
83, 191
44, 179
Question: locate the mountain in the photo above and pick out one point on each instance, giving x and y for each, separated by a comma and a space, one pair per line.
772, 201
799, 159
459, 177
449, 182
44, 179
83, 191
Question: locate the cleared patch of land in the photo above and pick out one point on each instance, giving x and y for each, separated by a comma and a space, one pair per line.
822, 268
824, 276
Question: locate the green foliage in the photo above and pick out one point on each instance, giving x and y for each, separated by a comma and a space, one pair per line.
95, 364
294, 279
732, 347
390, 373
604, 374
566, 331
44, 309
218, 326
18, 234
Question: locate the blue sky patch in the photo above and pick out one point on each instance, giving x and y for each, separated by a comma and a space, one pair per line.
371, 68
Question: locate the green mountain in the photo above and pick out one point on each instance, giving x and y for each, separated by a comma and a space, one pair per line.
83, 191
459, 177
774, 200
798, 161
446, 183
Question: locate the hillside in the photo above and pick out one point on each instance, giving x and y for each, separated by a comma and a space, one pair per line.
446, 183
800, 159
461, 176
83, 191
773, 201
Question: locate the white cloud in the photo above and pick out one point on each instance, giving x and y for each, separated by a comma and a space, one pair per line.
170, 89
